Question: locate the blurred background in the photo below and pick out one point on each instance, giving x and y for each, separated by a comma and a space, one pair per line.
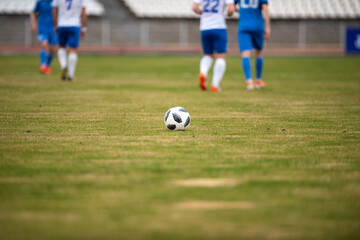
117, 26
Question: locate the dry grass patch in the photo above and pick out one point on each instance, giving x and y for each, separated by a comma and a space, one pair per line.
213, 205
206, 182
43, 216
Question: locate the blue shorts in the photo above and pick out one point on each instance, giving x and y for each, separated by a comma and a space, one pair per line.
248, 40
214, 40
69, 36
47, 35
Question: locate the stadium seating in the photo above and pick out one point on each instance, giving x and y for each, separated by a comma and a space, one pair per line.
25, 6
279, 9
161, 8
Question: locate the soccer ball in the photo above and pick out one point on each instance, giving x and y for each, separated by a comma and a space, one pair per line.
177, 118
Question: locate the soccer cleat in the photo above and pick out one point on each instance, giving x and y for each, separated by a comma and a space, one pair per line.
48, 70
43, 69
202, 81
215, 89
259, 84
250, 85
63, 74
70, 79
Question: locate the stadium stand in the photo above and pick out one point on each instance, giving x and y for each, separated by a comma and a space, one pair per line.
25, 6
161, 8
155, 24
279, 9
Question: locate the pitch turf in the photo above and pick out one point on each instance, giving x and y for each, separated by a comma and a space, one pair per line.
93, 159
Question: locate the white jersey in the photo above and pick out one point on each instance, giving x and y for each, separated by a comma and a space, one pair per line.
213, 16
69, 14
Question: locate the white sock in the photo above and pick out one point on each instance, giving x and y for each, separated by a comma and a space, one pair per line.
72, 64
205, 64
62, 57
219, 71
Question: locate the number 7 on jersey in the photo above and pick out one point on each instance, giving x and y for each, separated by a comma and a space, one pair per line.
69, 4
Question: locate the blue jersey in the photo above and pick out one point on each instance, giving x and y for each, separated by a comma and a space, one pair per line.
251, 18
44, 9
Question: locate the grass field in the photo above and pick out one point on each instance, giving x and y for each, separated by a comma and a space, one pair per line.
93, 159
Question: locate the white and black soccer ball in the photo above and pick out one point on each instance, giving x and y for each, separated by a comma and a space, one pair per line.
177, 118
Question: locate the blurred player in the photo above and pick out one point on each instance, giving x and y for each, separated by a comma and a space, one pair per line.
46, 34
254, 27
213, 38
70, 22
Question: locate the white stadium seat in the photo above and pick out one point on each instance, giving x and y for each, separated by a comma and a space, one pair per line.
25, 6
279, 9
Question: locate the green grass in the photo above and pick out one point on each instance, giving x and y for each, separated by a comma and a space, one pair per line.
93, 159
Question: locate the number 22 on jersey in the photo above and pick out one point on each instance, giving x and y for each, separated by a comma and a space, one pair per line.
211, 6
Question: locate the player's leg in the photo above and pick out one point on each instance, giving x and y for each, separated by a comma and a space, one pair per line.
52, 49
219, 71
72, 63
49, 58
246, 65
258, 39
62, 54
73, 44
259, 65
246, 47
207, 59
220, 45
43, 43
43, 56
205, 64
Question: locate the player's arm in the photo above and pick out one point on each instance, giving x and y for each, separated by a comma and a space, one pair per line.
55, 18
33, 21
83, 22
266, 15
33, 17
196, 9
230, 9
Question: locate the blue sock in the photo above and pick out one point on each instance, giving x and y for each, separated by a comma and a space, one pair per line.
43, 57
259, 67
246, 64
50, 57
